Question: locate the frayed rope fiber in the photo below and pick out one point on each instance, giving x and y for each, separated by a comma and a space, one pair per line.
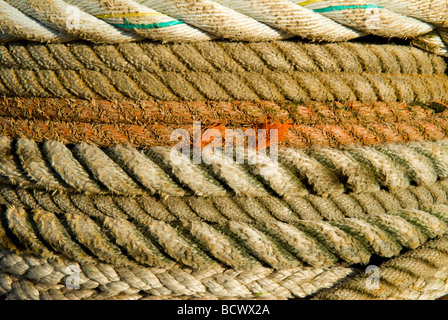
275, 71
150, 123
124, 170
179, 20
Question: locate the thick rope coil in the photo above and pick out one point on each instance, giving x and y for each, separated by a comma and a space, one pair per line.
417, 274
27, 277
260, 57
238, 232
193, 73
124, 170
146, 123
176, 20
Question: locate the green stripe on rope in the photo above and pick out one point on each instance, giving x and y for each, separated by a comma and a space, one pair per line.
338, 8
128, 25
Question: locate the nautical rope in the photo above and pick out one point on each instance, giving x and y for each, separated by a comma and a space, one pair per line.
224, 56
148, 123
28, 277
238, 232
192, 72
255, 20
235, 113
122, 169
417, 274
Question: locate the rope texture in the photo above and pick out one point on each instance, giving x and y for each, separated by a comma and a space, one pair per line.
185, 240
145, 124
26, 277
125, 170
177, 20
419, 274
274, 71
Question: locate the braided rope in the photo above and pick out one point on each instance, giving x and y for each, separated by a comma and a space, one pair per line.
176, 20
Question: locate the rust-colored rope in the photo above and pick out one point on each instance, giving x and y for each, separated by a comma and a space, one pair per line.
148, 123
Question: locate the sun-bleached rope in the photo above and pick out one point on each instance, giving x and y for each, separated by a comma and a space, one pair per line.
255, 20
116, 231
125, 170
26, 277
122, 169
223, 71
417, 274
190, 236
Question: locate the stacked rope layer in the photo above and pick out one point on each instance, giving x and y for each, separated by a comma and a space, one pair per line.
124, 170
236, 232
117, 231
178, 20
274, 71
26, 277
145, 123
418, 274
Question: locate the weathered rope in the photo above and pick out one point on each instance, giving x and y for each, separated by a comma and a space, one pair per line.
122, 169
276, 72
27, 277
235, 113
146, 123
419, 274
257, 20
224, 56
237, 232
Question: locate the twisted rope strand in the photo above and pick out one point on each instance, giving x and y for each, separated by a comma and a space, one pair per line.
28, 277
187, 235
257, 20
128, 171
420, 273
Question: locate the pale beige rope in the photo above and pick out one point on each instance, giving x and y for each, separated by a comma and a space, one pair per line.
239, 232
255, 20
131, 279
27, 277
418, 274
432, 42
161, 170
361, 15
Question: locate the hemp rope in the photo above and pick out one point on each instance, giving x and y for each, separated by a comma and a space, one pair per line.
70, 79
418, 274
384, 233
146, 123
224, 56
26, 277
124, 170
379, 222
255, 20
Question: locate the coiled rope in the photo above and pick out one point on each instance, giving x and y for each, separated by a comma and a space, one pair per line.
274, 71
145, 124
255, 20
125, 170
